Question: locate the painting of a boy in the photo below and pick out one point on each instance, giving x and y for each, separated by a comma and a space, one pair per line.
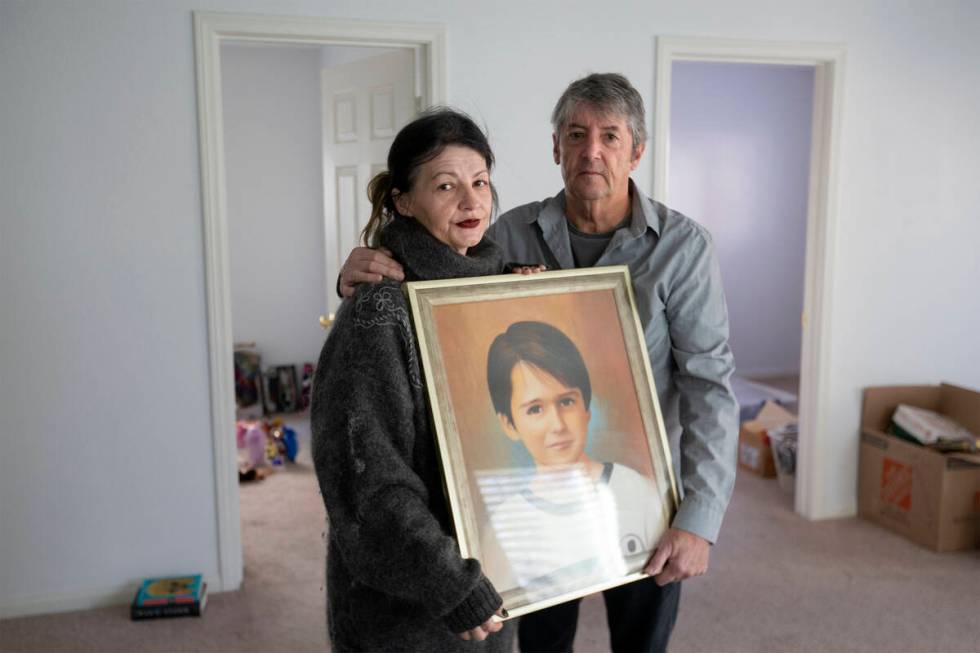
569, 518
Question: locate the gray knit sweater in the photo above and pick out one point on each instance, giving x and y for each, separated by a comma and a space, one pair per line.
395, 579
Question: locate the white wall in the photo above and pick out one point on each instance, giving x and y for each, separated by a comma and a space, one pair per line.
739, 164
107, 473
274, 176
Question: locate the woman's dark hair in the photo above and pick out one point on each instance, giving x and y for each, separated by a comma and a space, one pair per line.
542, 346
419, 141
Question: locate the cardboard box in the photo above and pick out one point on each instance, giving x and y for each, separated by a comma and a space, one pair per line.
754, 452
929, 497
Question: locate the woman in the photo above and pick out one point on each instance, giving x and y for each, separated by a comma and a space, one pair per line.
395, 579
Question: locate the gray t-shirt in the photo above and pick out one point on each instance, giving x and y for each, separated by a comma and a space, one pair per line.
587, 249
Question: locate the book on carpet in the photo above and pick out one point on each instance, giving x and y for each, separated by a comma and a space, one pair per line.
179, 596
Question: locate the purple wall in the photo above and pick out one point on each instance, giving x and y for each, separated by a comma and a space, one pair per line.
739, 164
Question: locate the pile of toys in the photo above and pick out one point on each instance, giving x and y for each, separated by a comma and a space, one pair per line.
263, 445
277, 389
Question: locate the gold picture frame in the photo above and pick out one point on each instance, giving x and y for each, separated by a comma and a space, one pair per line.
561, 488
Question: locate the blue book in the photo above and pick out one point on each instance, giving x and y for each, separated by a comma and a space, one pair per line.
180, 596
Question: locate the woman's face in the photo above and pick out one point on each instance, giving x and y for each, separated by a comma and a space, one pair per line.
451, 197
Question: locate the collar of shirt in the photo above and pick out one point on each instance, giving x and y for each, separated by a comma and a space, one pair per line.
554, 224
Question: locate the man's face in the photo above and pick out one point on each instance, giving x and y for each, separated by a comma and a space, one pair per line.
550, 419
596, 154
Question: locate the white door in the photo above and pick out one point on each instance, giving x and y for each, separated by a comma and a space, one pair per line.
365, 103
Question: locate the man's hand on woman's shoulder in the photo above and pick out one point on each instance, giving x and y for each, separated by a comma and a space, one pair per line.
367, 265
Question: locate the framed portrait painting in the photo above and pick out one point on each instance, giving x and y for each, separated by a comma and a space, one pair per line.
553, 448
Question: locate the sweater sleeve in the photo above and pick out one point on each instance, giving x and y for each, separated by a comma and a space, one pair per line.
364, 418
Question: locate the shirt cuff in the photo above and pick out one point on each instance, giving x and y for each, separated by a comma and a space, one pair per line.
700, 517
475, 609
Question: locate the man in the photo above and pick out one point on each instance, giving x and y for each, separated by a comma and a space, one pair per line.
601, 218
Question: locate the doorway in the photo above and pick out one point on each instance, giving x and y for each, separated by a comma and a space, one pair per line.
739, 164
826, 64
212, 31
296, 173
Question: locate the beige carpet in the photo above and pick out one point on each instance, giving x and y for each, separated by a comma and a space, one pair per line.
776, 583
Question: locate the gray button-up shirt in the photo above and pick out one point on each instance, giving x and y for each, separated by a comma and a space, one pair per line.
681, 303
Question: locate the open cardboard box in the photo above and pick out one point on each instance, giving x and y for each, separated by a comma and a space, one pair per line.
929, 497
754, 452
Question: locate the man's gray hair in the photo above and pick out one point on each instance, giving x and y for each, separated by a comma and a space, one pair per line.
608, 93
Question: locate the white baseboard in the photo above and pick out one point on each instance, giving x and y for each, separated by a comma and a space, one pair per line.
88, 599
66, 601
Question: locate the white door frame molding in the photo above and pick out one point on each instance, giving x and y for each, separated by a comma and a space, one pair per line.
210, 30
813, 472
